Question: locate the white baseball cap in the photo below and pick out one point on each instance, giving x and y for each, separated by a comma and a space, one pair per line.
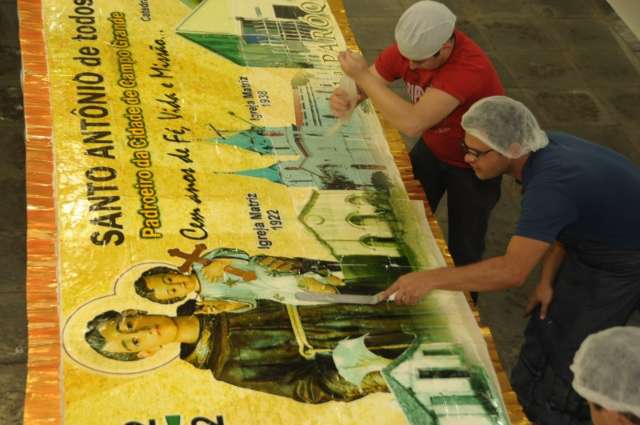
423, 29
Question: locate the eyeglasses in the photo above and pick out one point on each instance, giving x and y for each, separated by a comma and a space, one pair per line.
473, 152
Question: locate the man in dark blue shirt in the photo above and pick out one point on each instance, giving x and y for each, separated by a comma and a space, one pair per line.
580, 218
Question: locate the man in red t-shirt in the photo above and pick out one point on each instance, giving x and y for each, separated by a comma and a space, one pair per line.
445, 72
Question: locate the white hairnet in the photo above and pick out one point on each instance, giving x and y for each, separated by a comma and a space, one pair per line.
505, 125
423, 28
606, 369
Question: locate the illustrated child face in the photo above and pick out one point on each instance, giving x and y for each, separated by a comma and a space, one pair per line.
138, 333
171, 285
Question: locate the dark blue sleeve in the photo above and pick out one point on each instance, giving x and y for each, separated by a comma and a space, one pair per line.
545, 212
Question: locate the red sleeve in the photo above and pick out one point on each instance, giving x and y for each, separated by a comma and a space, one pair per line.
460, 82
389, 63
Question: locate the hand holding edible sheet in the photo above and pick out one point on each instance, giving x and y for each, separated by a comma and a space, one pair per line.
341, 103
409, 289
353, 64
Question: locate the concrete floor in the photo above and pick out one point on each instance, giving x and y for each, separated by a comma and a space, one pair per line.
573, 62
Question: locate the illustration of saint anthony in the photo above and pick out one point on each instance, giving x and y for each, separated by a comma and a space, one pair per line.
231, 280
275, 348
